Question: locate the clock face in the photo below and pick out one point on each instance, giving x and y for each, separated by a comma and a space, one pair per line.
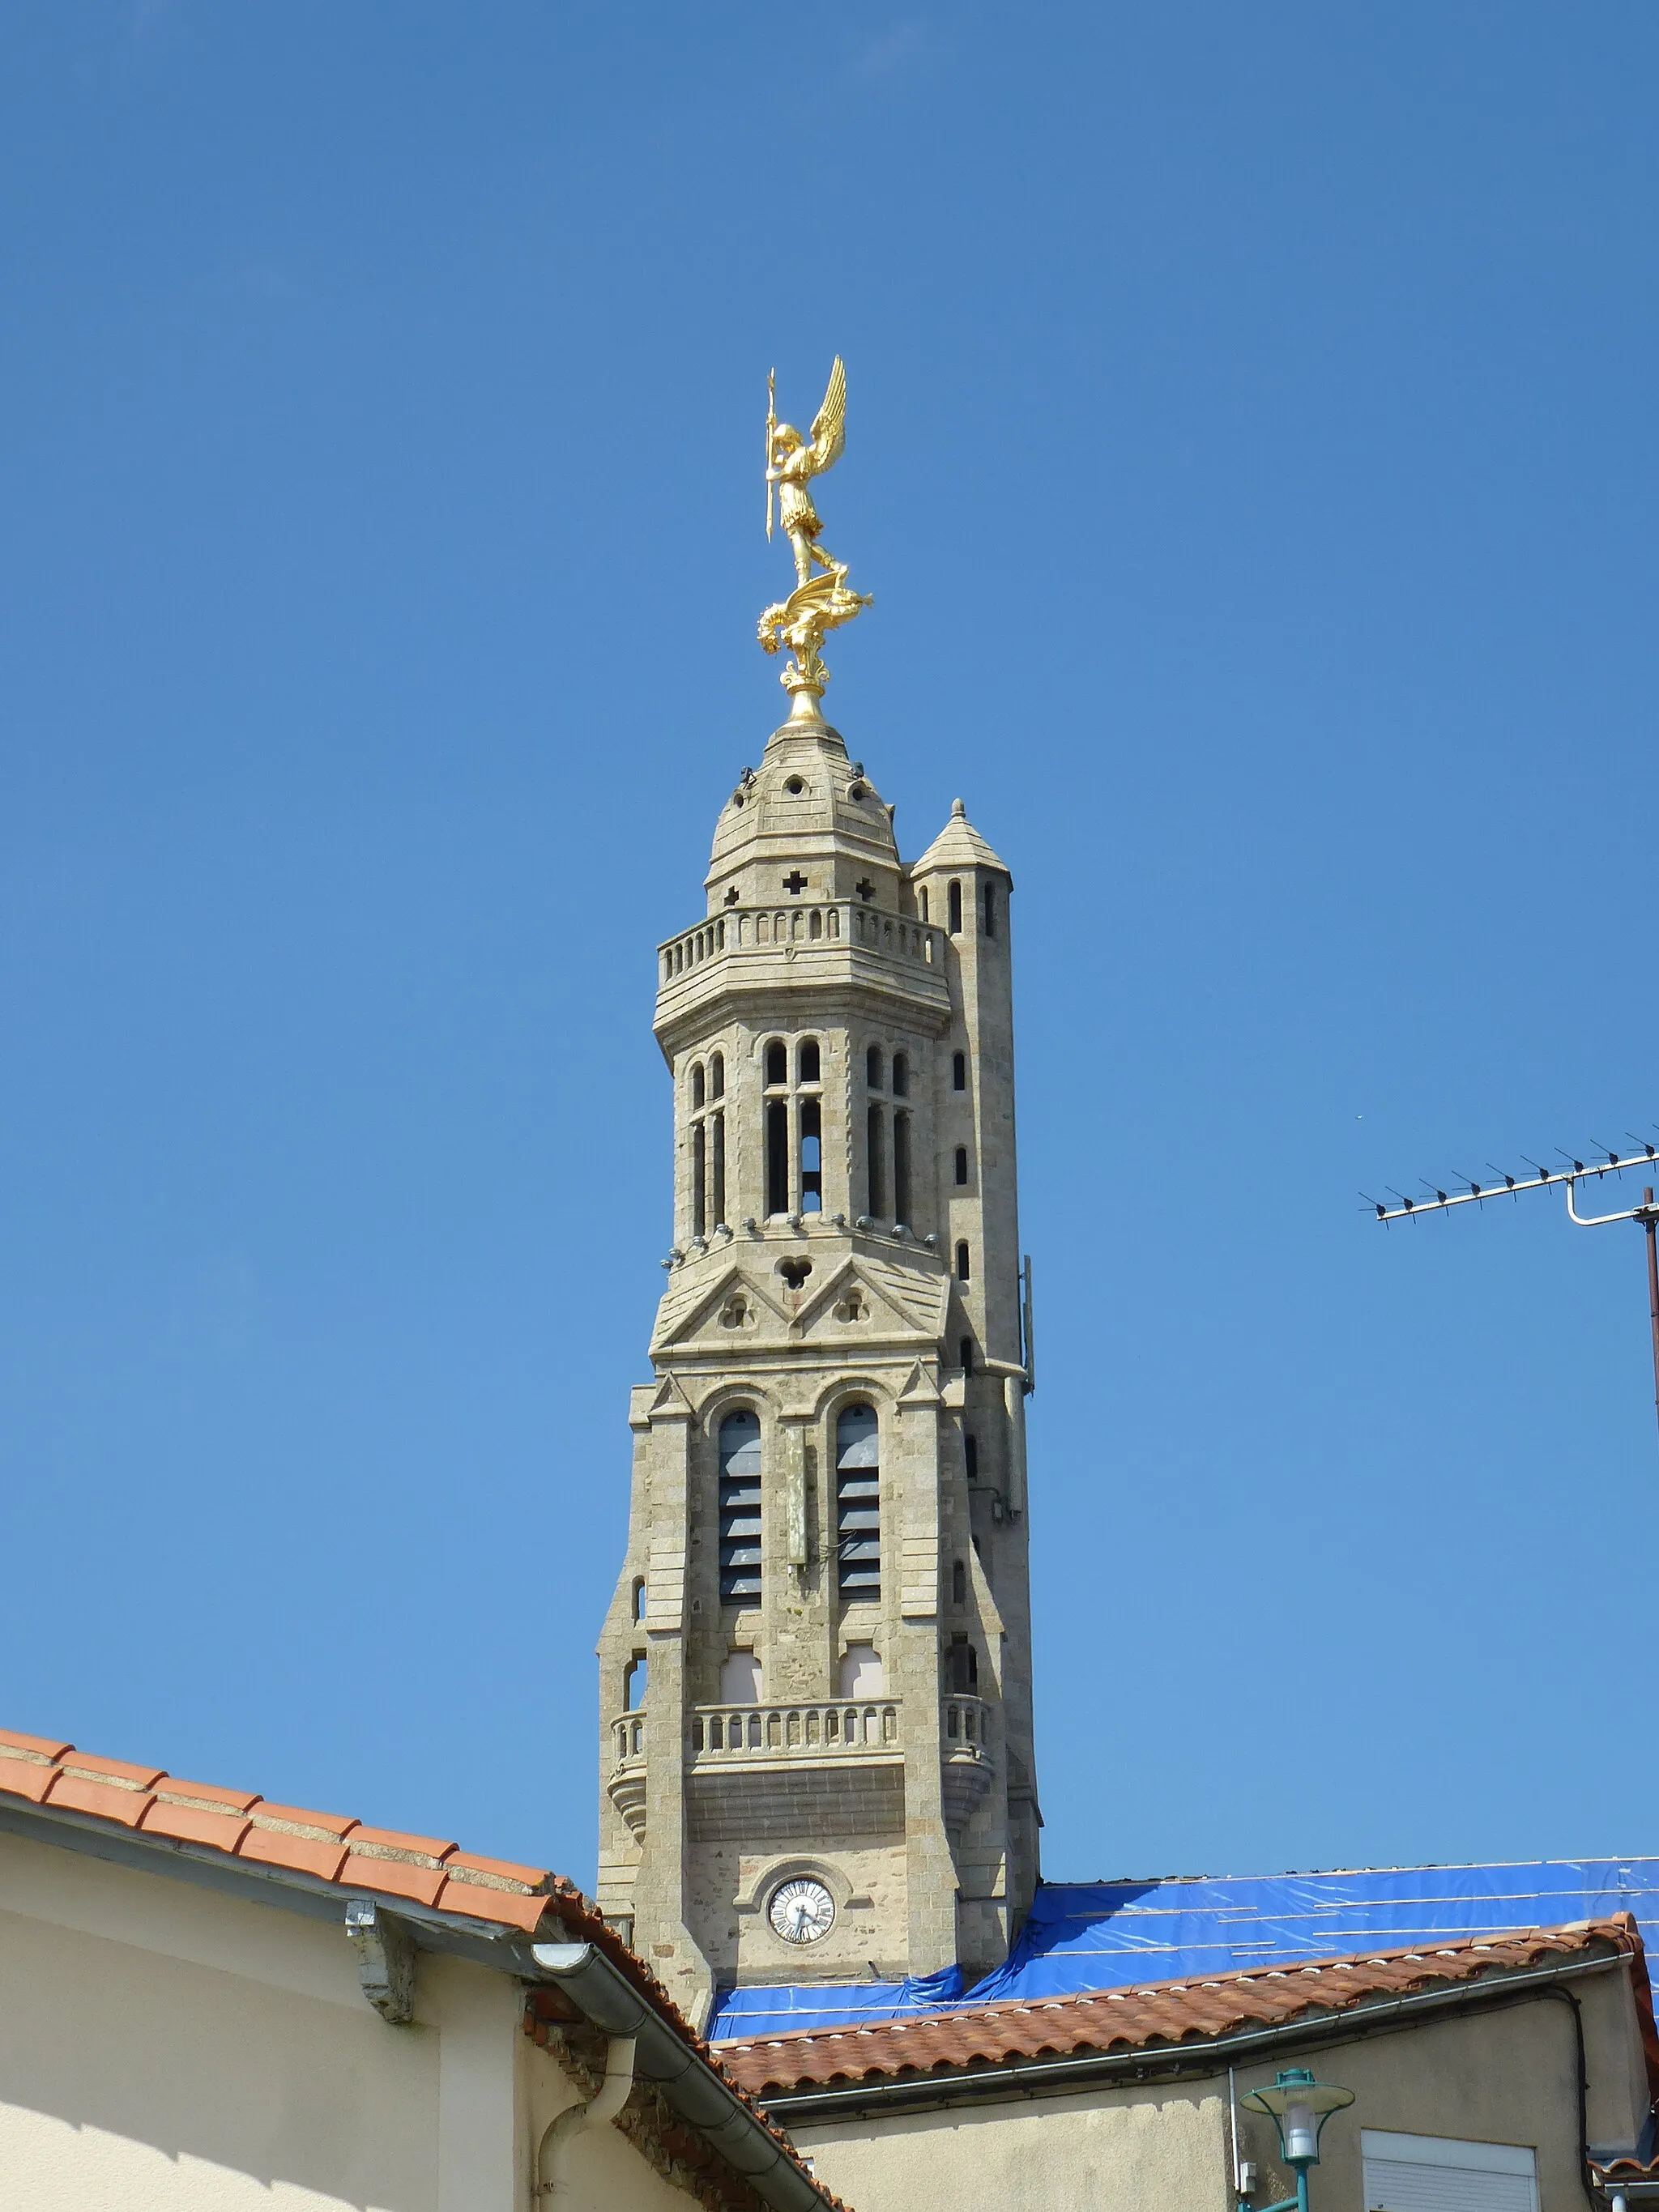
801, 1911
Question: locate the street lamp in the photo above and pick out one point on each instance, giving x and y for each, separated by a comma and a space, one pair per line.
1300, 2107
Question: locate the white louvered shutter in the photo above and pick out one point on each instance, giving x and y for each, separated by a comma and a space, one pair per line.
1436, 2173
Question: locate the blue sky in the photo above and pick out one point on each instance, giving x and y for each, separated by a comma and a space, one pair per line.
1252, 453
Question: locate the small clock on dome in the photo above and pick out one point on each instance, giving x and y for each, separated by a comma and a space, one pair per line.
802, 1910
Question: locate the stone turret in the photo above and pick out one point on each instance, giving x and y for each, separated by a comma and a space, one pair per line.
815, 1702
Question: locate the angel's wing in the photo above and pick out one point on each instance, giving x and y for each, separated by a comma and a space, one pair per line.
829, 424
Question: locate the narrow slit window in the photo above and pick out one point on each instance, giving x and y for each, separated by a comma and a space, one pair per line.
634, 1683
901, 1075
811, 1156
922, 896
971, 1454
809, 1060
717, 1076
902, 1168
965, 1349
740, 1509
699, 1180
717, 1177
990, 898
777, 1061
964, 1271
959, 1070
697, 1083
965, 1667
777, 1156
873, 1068
959, 1583
639, 1597
857, 1504
875, 1161
962, 1166
955, 897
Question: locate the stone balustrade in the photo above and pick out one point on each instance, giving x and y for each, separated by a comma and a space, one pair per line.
846, 1727
628, 1738
830, 925
966, 1727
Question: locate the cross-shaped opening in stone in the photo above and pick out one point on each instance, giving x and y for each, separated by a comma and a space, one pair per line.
794, 882
866, 890
732, 896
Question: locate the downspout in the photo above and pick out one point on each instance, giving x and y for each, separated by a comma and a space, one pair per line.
604, 2104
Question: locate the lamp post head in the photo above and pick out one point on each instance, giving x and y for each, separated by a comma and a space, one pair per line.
1300, 2107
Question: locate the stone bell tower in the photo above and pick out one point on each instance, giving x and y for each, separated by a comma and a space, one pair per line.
815, 1695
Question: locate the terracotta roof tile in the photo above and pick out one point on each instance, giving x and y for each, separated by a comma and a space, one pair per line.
111, 1770
46, 1746
107, 1799
495, 1870
508, 1908
296, 1817
304, 1854
393, 1877
392, 1840
189, 1824
206, 1793
26, 1778
1158, 2016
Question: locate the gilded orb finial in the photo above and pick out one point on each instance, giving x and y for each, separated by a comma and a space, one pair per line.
822, 600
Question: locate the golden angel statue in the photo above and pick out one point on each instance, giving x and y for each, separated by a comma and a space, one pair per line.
820, 601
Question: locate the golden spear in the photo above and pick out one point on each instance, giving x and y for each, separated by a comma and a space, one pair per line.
771, 425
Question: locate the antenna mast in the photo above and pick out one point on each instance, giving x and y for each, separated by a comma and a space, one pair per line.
1541, 1178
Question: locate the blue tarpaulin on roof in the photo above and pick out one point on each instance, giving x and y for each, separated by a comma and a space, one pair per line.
1107, 1936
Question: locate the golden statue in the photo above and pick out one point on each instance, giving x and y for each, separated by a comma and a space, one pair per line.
820, 601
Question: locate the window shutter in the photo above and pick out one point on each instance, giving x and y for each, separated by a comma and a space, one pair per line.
1436, 2173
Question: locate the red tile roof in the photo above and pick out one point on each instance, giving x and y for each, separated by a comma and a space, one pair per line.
1163, 2016
338, 1850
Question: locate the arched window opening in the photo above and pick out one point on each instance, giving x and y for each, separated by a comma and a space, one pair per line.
965, 1667
902, 1168
959, 1583
873, 1068
699, 1180
959, 1070
964, 1273
740, 1679
955, 896
875, 1148
990, 901
639, 1597
697, 1083
857, 1504
717, 1179
901, 1076
777, 1156
811, 1155
922, 896
740, 1509
634, 1683
961, 1167
971, 1454
809, 1060
965, 1351
777, 1061
862, 1672
717, 1076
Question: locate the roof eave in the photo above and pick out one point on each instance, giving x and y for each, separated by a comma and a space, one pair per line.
1025, 2076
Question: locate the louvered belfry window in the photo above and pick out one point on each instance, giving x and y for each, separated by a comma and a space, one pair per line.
740, 1509
857, 1504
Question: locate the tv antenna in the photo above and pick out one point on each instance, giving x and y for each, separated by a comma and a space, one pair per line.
1542, 1178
